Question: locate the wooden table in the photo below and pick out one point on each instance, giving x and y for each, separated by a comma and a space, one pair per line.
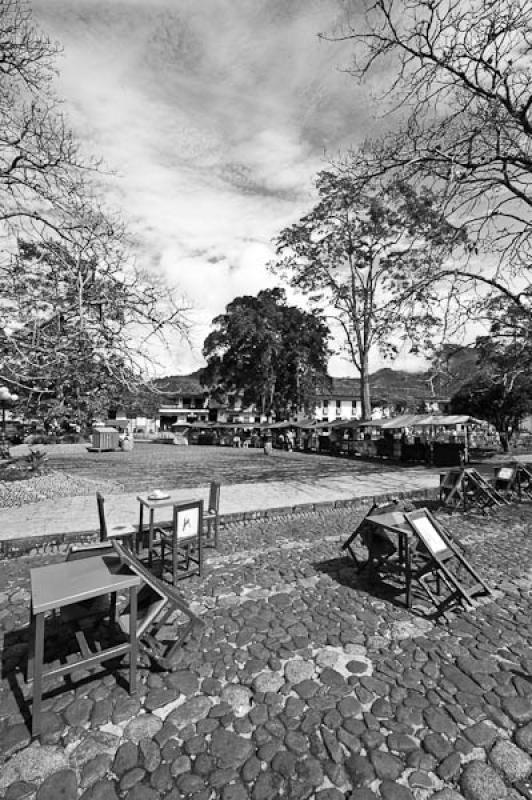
58, 585
152, 505
394, 522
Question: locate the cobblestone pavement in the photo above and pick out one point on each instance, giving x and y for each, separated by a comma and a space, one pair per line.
305, 682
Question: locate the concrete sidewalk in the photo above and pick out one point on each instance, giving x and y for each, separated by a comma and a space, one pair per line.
73, 517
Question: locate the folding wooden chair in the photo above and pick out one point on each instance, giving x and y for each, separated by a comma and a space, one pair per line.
156, 603
466, 486
211, 516
116, 531
513, 480
183, 540
438, 561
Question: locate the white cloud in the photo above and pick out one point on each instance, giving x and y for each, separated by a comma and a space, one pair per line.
216, 116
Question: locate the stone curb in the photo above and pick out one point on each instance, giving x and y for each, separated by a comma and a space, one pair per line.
56, 543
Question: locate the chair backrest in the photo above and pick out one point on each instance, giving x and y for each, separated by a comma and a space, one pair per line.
214, 496
506, 474
159, 594
101, 514
430, 533
188, 520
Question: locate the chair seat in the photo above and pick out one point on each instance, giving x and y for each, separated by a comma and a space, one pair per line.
117, 530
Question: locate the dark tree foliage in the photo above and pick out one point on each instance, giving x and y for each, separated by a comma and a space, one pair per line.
500, 389
273, 354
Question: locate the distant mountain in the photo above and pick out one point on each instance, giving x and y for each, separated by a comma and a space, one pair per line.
399, 387
181, 384
389, 386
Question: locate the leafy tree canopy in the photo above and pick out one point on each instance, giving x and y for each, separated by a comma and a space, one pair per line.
272, 353
500, 389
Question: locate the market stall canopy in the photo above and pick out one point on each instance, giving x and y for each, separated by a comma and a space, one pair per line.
426, 420
351, 423
304, 424
247, 426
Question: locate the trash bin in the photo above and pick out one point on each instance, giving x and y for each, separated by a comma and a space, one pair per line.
105, 439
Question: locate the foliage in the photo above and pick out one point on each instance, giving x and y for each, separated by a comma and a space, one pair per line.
24, 467
77, 316
273, 354
460, 80
495, 402
36, 461
500, 390
369, 254
70, 328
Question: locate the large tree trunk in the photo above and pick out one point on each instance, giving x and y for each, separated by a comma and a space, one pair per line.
505, 440
365, 394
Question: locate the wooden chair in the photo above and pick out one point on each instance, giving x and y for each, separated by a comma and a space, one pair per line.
118, 531
438, 562
466, 486
212, 515
183, 541
157, 602
513, 480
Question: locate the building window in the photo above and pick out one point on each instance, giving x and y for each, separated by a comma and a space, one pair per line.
338, 407
325, 404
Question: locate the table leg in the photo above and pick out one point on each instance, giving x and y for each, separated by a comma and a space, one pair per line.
133, 643
37, 678
174, 555
31, 647
408, 574
200, 554
113, 610
150, 537
140, 532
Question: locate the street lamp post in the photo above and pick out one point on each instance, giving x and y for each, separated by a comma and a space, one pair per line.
7, 400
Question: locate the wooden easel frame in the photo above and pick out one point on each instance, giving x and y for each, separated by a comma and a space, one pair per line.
169, 601
467, 488
515, 485
441, 549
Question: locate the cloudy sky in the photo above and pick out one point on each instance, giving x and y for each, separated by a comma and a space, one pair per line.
215, 116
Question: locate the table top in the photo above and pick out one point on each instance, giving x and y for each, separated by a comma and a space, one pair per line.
392, 520
172, 499
58, 585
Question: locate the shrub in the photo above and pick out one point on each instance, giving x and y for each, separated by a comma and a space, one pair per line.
36, 461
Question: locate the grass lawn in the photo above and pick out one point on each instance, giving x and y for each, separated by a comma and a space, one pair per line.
176, 467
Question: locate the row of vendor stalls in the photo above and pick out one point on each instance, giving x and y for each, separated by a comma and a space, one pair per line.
435, 438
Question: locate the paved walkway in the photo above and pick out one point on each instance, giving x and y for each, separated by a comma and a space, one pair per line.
78, 515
